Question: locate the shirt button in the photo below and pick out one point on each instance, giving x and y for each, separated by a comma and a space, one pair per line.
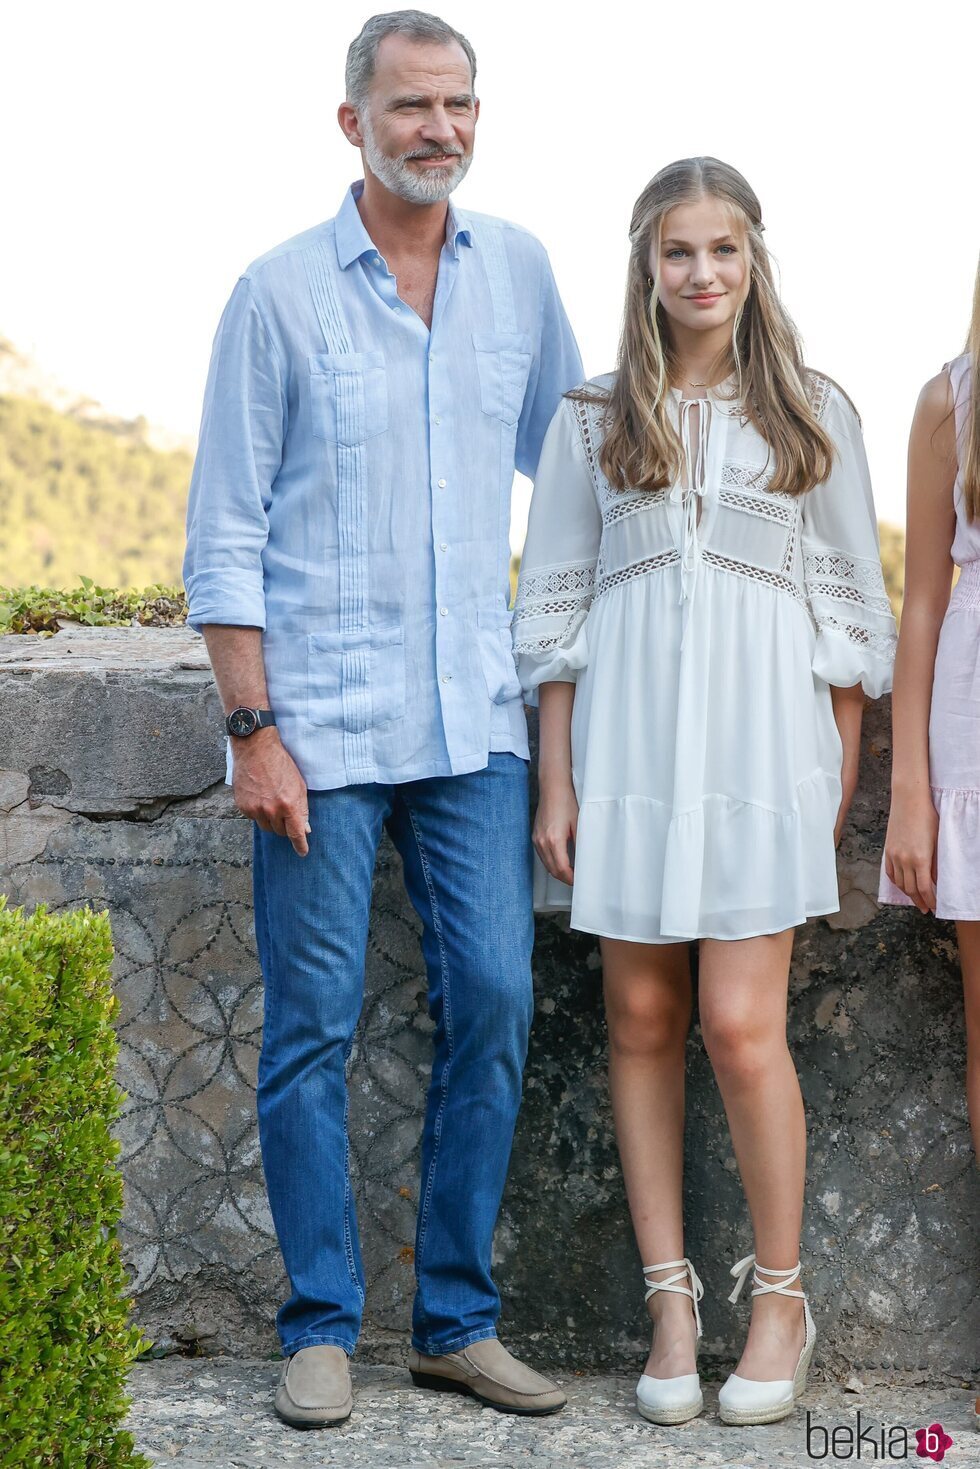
398, 308
443, 611
447, 678
377, 259
432, 357
443, 546
442, 484
437, 422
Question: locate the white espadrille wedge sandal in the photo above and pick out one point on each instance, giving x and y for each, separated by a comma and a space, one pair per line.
742, 1400
672, 1400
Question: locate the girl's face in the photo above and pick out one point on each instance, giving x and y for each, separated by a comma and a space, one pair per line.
702, 266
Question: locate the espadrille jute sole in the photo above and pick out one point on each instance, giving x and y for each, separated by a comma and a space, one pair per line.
670, 1417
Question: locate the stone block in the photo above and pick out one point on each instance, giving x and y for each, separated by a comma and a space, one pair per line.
142, 824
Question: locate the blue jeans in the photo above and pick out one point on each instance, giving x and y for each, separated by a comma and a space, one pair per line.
466, 853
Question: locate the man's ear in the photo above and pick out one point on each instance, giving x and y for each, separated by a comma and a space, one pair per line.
349, 125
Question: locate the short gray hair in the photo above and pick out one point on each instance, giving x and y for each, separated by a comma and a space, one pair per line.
417, 25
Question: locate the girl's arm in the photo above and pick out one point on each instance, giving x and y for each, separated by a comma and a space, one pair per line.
846, 589
554, 593
557, 814
910, 842
848, 712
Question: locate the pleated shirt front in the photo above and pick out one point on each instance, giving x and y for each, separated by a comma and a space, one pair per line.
351, 492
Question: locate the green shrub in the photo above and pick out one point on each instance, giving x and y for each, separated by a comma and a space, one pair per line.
65, 1345
37, 609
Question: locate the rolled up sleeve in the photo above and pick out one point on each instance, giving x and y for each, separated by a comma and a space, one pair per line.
239, 455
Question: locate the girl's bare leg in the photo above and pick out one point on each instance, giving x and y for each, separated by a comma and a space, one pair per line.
648, 1010
742, 1003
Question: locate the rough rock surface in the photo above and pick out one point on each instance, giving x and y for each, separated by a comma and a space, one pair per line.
111, 794
217, 1415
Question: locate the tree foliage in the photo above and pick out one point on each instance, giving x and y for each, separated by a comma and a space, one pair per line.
90, 498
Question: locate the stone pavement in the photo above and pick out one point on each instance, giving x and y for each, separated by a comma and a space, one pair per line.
215, 1413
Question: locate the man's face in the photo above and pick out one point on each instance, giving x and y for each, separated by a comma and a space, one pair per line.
417, 126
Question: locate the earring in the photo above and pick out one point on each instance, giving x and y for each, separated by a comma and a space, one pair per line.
649, 282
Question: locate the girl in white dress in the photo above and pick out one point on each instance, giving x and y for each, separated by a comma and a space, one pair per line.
700, 611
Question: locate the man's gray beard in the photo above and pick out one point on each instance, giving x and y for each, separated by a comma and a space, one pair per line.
398, 176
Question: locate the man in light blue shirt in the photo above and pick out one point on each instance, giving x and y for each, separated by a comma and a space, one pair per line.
373, 385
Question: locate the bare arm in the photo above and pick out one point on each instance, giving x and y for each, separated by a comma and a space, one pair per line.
268, 786
848, 712
557, 815
910, 843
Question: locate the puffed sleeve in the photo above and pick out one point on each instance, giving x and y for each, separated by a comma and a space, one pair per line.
557, 576
842, 565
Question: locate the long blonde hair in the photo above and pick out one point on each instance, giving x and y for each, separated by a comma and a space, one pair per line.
641, 448
971, 459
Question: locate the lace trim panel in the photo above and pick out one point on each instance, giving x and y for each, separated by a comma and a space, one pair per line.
551, 581
841, 592
532, 646
768, 578
584, 413
750, 476
819, 388
624, 503
845, 578
882, 644
764, 506
789, 551
636, 568
560, 591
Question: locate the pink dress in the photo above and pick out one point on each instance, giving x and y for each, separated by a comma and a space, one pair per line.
954, 720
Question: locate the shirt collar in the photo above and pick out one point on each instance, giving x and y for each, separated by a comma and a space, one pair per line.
353, 240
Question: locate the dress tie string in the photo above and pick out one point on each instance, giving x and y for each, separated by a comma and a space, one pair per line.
690, 493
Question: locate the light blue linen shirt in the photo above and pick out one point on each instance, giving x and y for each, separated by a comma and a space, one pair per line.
351, 493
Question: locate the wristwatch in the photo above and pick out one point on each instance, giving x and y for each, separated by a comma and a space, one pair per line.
243, 722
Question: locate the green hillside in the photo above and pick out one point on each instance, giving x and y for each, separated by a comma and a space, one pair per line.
87, 498
92, 498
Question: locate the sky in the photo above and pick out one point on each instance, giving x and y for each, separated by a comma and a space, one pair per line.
152, 150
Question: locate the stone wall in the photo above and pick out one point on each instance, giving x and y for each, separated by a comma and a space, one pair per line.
111, 794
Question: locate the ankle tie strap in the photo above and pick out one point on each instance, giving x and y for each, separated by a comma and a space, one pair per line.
764, 1287
695, 1290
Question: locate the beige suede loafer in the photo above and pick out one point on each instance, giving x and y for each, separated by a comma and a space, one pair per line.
487, 1371
314, 1388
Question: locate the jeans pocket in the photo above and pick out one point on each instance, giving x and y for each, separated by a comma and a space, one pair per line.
348, 396
503, 361
356, 681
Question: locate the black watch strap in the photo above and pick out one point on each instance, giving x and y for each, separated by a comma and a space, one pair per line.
242, 722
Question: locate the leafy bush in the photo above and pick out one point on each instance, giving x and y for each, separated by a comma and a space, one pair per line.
65, 1345
37, 609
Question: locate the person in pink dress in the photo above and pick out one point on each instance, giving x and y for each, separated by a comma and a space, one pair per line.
932, 847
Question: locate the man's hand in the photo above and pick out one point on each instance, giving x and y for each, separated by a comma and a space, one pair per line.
269, 788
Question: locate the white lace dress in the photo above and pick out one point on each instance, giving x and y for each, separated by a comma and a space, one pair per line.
703, 627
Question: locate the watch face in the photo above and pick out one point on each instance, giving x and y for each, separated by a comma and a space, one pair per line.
242, 722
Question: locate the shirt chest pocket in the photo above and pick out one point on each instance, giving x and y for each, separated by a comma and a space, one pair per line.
348, 396
503, 360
